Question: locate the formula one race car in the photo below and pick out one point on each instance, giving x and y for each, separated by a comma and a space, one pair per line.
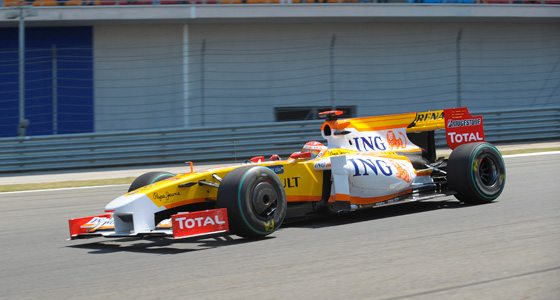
369, 162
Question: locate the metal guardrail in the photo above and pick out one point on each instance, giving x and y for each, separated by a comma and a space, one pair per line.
154, 147
236, 143
85, 3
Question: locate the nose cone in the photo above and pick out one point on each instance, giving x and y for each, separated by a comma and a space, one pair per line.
123, 204
140, 207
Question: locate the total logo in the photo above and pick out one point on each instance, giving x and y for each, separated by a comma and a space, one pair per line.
188, 223
464, 137
199, 222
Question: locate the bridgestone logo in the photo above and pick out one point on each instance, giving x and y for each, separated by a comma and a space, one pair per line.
461, 123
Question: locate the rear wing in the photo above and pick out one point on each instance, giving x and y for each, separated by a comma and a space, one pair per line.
426, 121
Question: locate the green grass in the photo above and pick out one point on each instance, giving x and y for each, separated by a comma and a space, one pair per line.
64, 184
128, 180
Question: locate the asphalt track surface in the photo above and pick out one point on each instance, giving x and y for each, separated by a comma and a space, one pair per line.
509, 249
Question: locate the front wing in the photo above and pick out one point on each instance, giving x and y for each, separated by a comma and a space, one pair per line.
180, 225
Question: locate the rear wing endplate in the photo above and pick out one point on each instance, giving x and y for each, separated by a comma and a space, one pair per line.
460, 126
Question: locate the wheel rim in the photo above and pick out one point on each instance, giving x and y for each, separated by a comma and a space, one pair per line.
264, 200
488, 171
488, 174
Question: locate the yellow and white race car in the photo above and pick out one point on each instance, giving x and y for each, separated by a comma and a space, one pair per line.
369, 162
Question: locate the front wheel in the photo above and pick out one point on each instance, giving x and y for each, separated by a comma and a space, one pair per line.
255, 201
148, 178
476, 172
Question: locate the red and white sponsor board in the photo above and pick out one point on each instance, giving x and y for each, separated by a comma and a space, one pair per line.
462, 128
200, 222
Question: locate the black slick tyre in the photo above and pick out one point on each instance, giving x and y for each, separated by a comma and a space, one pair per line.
149, 178
476, 172
255, 201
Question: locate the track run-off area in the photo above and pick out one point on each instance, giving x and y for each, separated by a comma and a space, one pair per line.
440, 249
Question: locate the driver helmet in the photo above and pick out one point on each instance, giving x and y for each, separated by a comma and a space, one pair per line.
314, 147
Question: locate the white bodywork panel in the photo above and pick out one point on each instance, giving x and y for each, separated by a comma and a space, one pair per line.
370, 176
133, 213
372, 141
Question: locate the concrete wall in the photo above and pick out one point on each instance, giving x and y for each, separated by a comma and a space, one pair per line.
212, 72
139, 76
389, 67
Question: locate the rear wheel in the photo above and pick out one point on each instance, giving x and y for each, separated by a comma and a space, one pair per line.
255, 200
476, 172
149, 178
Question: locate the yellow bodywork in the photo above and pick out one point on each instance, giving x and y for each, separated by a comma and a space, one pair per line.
301, 183
413, 122
300, 179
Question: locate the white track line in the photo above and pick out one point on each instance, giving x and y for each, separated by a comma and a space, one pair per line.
532, 154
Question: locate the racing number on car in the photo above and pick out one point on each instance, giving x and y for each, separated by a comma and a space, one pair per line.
269, 226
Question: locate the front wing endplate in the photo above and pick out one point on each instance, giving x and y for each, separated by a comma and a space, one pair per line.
181, 225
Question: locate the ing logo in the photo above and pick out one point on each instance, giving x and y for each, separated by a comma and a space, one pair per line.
396, 142
402, 172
